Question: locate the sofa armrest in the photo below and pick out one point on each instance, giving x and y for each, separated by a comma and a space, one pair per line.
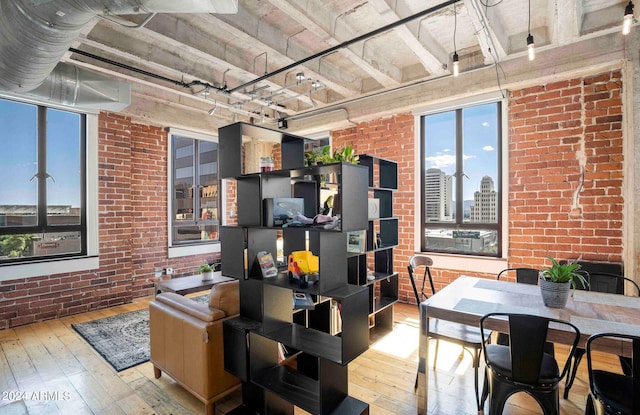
186, 305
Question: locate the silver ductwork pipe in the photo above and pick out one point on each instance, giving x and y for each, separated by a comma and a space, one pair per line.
78, 87
35, 34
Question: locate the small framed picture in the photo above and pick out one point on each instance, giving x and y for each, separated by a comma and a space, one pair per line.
356, 242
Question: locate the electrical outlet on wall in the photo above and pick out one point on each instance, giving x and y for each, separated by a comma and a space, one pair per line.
168, 271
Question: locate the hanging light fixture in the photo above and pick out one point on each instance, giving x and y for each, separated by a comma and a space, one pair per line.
530, 45
628, 18
456, 64
456, 58
300, 77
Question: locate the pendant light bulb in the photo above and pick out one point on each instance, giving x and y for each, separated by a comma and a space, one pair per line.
628, 18
531, 47
456, 64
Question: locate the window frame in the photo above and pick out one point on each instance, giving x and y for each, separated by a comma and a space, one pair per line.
73, 262
43, 225
502, 172
197, 246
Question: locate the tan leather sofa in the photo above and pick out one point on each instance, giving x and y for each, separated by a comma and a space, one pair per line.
186, 341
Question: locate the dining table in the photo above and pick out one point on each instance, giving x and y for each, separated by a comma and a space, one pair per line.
467, 299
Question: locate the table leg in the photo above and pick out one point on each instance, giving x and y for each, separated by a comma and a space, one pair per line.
423, 358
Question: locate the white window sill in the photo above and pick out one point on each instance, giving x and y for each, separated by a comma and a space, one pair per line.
181, 251
467, 263
18, 271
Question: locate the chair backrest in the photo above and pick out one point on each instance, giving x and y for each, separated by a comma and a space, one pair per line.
416, 262
528, 335
635, 356
523, 275
610, 283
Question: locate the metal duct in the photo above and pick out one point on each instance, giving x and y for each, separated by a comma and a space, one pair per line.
77, 87
36, 33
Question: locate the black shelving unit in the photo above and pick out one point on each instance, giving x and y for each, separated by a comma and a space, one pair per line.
374, 268
314, 376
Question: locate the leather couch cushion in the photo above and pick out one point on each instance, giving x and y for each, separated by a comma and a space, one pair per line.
226, 297
200, 311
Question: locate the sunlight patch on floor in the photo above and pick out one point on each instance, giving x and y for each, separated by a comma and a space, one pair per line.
402, 342
449, 357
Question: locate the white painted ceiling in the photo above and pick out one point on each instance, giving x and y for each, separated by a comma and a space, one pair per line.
265, 35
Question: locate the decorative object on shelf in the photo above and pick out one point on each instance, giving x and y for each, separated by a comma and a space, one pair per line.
207, 272
303, 267
324, 156
557, 280
279, 211
373, 208
302, 301
267, 266
345, 154
266, 164
327, 206
356, 242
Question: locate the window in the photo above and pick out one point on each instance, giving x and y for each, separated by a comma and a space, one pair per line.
42, 183
194, 186
461, 179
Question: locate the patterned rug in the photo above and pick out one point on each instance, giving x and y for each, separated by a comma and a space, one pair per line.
122, 340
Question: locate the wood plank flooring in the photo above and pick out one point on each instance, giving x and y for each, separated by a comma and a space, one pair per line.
47, 368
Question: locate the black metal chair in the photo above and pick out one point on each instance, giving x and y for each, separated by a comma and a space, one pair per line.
523, 275
523, 366
605, 283
469, 337
613, 393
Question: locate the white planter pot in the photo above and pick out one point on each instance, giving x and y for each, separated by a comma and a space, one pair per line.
207, 276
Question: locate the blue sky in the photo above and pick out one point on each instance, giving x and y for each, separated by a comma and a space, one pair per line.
480, 145
18, 155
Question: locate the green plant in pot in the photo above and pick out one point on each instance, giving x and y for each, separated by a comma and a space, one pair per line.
346, 154
558, 279
207, 272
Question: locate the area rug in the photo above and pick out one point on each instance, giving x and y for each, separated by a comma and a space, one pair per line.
122, 340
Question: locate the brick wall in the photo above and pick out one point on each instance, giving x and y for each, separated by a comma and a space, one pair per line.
133, 235
556, 131
566, 164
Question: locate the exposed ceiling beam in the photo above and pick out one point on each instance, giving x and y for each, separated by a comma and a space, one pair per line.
308, 23
432, 57
129, 57
566, 25
181, 41
489, 34
223, 23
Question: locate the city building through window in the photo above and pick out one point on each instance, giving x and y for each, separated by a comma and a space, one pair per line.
42, 183
194, 185
461, 165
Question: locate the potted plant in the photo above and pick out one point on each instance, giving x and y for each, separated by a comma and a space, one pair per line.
346, 154
558, 279
207, 272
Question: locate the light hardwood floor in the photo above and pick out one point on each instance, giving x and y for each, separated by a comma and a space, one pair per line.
47, 368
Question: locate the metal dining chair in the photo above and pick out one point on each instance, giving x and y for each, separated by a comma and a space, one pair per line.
605, 283
613, 393
523, 276
523, 365
469, 337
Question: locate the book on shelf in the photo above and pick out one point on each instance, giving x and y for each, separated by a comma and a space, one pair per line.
303, 301
267, 265
336, 318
